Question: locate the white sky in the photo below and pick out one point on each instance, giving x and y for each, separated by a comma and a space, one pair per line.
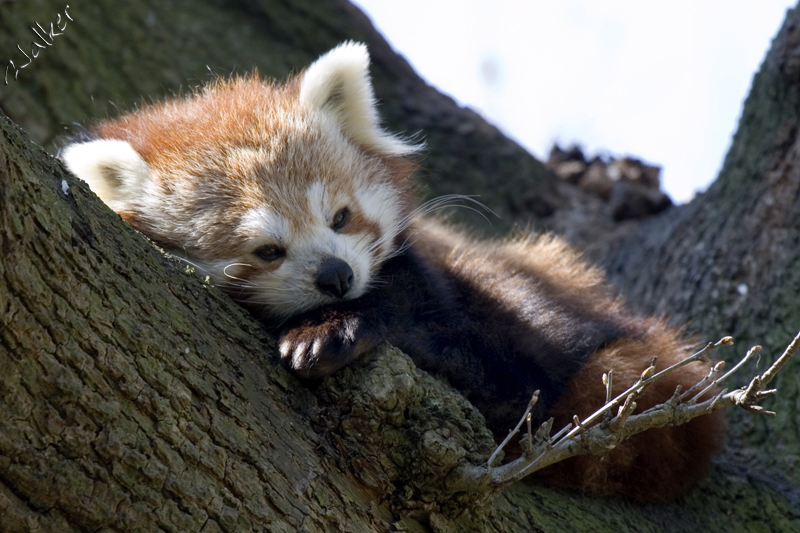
663, 81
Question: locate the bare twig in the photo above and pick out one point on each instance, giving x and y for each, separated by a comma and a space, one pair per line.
693, 390
750, 353
625, 411
513, 432
596, 437
649, 376
608, 381
543, 433
773, 370
529, 442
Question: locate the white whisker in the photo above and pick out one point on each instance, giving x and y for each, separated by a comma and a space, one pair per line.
225, 271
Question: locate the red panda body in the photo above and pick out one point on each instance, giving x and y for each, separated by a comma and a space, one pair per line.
295, 201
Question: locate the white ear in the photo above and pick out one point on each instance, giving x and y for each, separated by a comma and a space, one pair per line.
338, 83
112, 168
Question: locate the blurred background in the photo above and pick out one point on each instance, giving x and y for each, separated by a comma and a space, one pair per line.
660, 81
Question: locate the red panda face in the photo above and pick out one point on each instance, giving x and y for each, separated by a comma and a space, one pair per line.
289, 197
293, 244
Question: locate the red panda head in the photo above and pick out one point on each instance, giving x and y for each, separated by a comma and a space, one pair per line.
289, 196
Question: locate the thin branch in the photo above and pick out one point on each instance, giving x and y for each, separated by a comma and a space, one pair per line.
625, 412
772, 371
529, 439
750, 353
691, 392
649, 376
532, 403
596, 438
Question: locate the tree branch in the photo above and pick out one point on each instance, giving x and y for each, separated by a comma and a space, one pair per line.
603, 431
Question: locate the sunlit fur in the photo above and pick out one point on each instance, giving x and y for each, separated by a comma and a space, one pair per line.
338, 83
245, 165
511, 277
111, 167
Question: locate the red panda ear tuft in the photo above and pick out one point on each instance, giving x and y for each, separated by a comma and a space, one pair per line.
112, 169
338, 83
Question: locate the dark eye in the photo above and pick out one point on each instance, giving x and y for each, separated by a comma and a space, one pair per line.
269, 252
340, 219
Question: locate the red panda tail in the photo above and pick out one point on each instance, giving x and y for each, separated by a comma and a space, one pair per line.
654, 465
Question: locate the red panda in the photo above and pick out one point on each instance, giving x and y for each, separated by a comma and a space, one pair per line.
294, 200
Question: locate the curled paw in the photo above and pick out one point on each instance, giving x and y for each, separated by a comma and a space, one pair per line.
316, 350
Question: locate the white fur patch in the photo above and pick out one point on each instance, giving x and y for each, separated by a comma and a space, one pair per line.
112, 168
262, 222
338, 84
379, 203
318, 207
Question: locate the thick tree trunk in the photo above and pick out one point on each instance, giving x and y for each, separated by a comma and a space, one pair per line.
728, 262
138, 398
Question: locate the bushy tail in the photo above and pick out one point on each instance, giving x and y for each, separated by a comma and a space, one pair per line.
654, 465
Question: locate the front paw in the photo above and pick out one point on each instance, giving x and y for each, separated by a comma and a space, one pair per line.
315, 350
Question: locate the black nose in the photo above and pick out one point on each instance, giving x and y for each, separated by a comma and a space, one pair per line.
334, 277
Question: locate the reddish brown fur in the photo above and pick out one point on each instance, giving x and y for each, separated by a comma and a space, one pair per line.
199, 138
245, 111
239, 112
658, 463
403, 170
545, 261
359, 224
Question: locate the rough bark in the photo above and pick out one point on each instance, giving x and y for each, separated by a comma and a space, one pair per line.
727, 262
138, 398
